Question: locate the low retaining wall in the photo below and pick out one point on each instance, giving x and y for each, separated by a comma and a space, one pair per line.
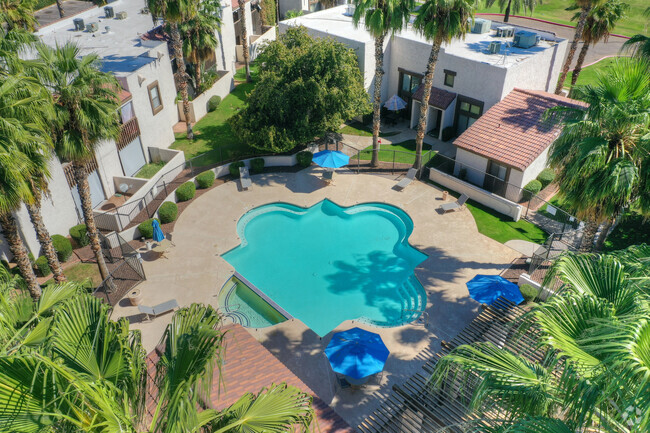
544, 292
199, 105
493, 201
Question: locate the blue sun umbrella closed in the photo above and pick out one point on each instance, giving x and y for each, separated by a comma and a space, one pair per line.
488, 288
158, 234
357, 353
331, 159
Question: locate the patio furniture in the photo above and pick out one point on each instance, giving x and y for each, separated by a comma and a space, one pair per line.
245, 178
158, 310
330, 159
162, 247
458, 204
410, 176
328, 176
486, 289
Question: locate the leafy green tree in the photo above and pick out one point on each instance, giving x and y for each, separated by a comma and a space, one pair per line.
199, 37
244, 39
439, 21
600, 23
86, 108
602, 157
306, 88
585, 9
514, 6
380, 18
639, 44
592, 371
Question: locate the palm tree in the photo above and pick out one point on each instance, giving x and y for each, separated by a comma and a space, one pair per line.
176, 12
639, 44
585, 8
86, 111
591, 371
600, 22
439, 21
244, 39
602, 156
516, 6
199, 38
380, 18
59, 6
18, 14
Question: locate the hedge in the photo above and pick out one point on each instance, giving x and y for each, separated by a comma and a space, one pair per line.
205, 179
533, 187
546, 177
63, 247
186, 191
528, 292
257, 165
304, 158
213, 103
146, 228
42, 267
168, 212
234, 168
80, 235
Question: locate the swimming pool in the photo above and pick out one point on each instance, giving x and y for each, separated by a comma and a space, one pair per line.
326, 264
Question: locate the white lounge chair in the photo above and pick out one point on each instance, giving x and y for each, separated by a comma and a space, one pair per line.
153, 312
245, 178
455, 205
410, 176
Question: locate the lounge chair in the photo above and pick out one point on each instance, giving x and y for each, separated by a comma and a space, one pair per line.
328, 176
245, 178
410, 176
458, 204
160, 309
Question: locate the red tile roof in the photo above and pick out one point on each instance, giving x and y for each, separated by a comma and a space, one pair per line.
123, 95
513, 132
439, 98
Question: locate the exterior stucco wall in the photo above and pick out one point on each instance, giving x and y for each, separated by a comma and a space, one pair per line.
225, 52
475, 166
108, 165
199, 106
539, 72
292, 5
521, 179
259, 41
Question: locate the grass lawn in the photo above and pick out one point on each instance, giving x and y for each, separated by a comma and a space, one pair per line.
148, 170
240, 75
633, 229
86, 273
356, 128
213, 136
501, 228
554, 10
403, 152
589, 74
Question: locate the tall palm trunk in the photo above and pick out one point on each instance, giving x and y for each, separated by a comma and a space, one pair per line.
197, 68
81, 176
581, 60
572, 50
44, 239
21, 256
507, 12
59, 6
600, 242
376, 103
182, 77
424, 106
244, 41
588, 236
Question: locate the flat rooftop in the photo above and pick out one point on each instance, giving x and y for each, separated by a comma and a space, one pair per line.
120, 46
337, 23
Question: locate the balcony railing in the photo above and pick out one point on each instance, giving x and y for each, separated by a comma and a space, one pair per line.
128, 132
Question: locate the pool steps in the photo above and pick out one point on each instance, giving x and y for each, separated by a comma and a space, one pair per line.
261, 294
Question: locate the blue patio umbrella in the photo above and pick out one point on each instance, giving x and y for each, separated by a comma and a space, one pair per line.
488, 288
395, 103
158, 234
357, 353
331, 158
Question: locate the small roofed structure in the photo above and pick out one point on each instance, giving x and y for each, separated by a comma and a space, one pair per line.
441, 108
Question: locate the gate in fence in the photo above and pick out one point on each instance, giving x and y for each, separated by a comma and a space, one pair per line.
127, 272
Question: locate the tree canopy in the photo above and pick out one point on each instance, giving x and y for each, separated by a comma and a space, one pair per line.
306, 87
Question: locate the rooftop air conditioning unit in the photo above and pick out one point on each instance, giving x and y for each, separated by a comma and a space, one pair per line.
92, 27
525, 39
79, 25
109, 12
481, 26
120, 15
505, 32
495, 47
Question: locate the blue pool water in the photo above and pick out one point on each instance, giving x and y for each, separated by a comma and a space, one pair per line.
327, 264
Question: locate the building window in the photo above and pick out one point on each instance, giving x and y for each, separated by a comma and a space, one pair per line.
408, 84
126, 112
496, 180
154, 97
467, 111
450, 76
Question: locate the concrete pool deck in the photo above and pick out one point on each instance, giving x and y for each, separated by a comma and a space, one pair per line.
195, 272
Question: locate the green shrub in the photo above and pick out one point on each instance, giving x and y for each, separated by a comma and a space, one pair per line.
186, 191
63, 247
146, 228
546, 177
30, 256
205, 179
448, 133
257, 165
168, 212
304, 158
80, 235
42, 267
213, 103
533, 187
528, 292
234, 168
